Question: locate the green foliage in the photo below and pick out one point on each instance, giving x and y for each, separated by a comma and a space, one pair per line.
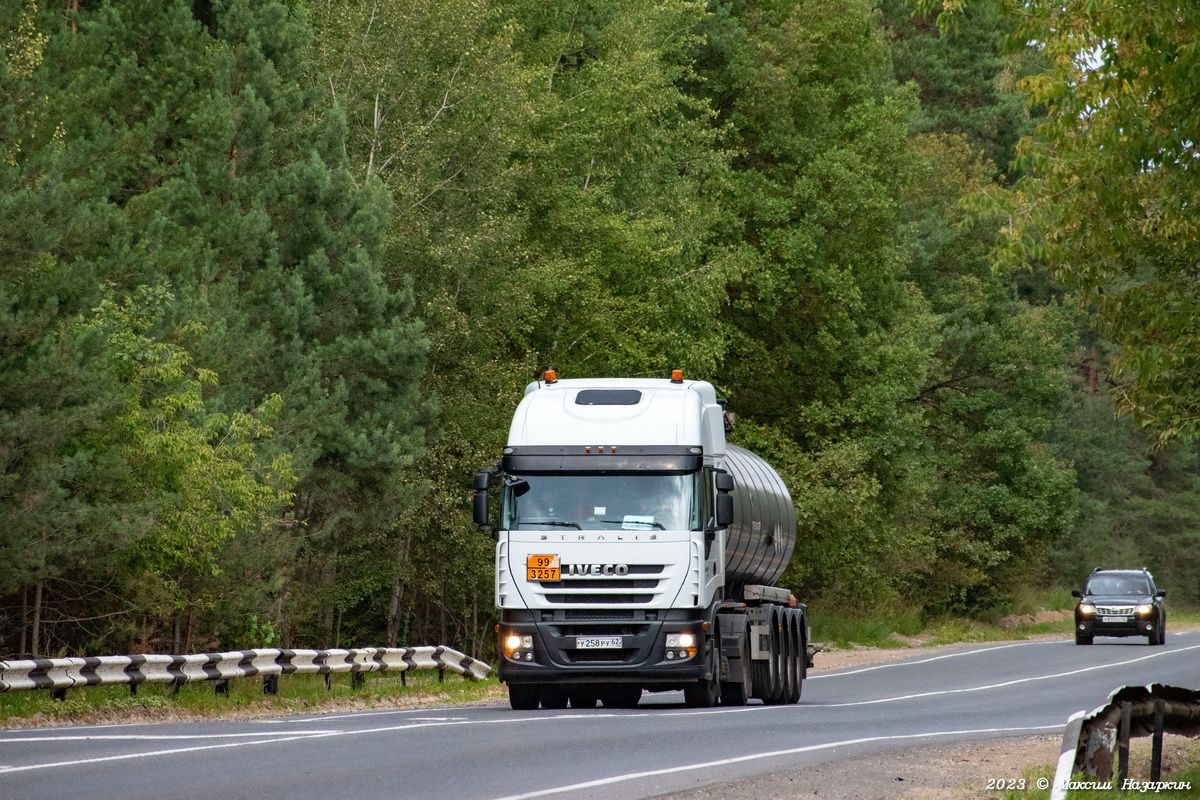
172, 143
289, 265
1109, 202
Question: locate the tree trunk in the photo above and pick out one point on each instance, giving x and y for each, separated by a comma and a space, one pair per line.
35, 634
398, 585
22, 649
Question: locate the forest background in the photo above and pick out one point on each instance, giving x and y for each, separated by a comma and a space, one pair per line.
273, 275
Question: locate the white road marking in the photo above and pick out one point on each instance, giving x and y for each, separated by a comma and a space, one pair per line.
724, 762
355, 715
1005, 684
115, 737
908, 663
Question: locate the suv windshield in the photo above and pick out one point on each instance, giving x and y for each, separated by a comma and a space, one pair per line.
605, 502
1118, 584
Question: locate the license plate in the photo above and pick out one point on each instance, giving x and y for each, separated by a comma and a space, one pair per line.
1114, 619
543, 568
598, 642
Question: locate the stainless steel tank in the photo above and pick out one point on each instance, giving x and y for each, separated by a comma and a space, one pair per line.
759, 543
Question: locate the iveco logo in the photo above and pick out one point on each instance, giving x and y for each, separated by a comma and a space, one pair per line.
596, 569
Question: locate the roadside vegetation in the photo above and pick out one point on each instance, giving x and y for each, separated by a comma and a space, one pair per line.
1181, 764
298, 694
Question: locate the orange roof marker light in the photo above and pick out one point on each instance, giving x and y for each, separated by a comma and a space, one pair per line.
551, 376
676, 376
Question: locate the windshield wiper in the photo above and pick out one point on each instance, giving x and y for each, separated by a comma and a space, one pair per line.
556, 522
623, 522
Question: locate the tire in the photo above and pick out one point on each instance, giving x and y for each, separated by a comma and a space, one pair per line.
554, 697
706, 692
800, 658
777, 692
1082, 638
524, 696
1159, 636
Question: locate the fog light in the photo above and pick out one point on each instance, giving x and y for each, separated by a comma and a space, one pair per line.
670, 654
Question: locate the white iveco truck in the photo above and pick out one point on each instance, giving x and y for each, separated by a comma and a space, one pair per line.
635, 550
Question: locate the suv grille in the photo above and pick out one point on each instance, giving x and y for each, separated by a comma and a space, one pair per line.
1115, 611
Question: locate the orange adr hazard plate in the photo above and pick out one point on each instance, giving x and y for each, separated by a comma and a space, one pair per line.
542, 568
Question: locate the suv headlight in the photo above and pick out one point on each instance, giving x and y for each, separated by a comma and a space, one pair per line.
1144, 608
1087, 608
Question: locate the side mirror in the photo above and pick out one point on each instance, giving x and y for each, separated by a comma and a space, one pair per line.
1076, 593
1161, 593
479, 506
724, 510
724, 499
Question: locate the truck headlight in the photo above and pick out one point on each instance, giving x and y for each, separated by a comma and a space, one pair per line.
515, 641
677, 640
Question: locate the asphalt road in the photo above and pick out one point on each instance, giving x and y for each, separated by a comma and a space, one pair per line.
492, 752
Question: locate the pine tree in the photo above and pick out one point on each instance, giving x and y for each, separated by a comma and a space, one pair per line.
190, 143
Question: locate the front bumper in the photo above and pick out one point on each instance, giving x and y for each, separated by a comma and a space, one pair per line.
642, 658
1094, 625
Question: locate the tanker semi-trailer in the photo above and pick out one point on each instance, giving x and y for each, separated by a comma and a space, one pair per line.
635, 550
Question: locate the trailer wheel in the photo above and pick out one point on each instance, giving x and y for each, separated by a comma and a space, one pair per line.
797, 658
775, 693
524, 696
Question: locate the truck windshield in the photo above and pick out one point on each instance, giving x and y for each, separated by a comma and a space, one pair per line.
605, 502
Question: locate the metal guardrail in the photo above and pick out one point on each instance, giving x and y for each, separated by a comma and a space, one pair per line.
60, 674
1092, 743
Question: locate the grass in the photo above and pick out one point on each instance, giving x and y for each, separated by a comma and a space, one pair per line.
900, 628
1181, 766
297, 694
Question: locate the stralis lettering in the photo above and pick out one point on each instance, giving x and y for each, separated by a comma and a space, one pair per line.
595, 569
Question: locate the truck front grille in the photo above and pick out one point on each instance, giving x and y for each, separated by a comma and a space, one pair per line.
600, 583
615, 599
641, 585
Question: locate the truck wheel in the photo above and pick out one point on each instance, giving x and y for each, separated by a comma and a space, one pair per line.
776, 693
799, 663
554, 697
707, 691
524, 696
